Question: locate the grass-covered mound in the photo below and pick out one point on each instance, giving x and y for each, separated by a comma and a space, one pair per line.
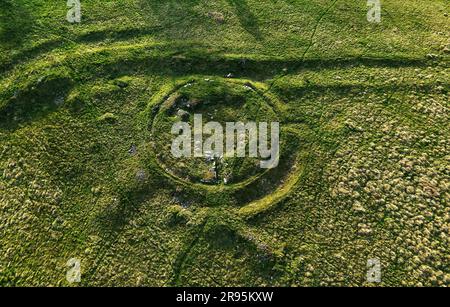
364, 111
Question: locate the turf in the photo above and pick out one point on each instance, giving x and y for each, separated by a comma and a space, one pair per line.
364, 170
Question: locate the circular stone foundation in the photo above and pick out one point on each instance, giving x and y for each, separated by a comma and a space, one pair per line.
216, 101
222, 101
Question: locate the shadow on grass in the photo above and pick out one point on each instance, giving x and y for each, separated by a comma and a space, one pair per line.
85, 38
221, 234
122, 34
247, 19
183, 59
16, 22
34, 102
112, 221
176, 17
29, 54
193, 60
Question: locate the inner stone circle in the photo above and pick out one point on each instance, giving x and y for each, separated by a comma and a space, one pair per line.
219, 101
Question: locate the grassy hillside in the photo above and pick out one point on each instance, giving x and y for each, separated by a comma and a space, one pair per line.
364, 170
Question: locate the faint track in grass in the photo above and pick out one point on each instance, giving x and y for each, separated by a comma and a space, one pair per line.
311, 40
183, 256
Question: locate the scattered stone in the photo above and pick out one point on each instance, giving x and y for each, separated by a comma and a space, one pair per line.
182, 114
183, 203
210, 176
96, 190
209, 156
133, 150
40, 80
59, 100
179, 57
155, 109
141, 175
217, 17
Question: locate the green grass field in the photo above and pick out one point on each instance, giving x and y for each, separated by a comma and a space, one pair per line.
364, 169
